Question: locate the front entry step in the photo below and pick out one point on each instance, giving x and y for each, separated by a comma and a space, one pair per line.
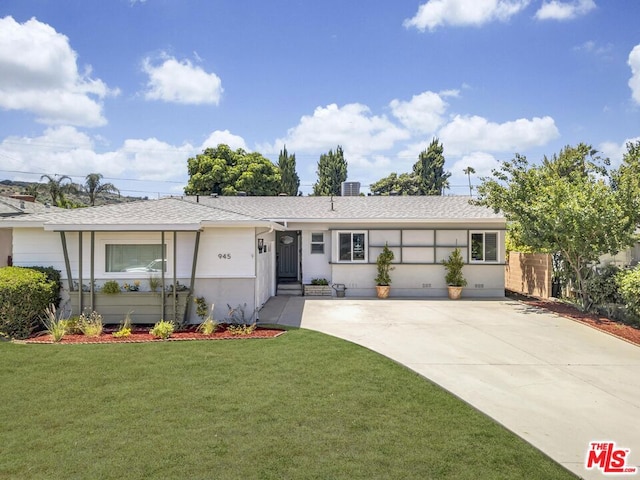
291, 289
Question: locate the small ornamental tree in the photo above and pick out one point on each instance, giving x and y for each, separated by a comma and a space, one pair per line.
453, 268
383, 262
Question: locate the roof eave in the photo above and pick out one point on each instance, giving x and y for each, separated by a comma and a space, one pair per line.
157, 227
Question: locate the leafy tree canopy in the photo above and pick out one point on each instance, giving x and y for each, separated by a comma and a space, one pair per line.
290, 182
427, 178
403, 184
570, 203
429, 170
332, 171
226, 172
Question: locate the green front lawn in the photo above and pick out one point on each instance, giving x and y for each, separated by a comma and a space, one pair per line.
303, 405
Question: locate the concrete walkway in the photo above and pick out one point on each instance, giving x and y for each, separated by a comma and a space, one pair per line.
556, 383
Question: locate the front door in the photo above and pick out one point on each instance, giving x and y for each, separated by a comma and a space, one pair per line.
287, 256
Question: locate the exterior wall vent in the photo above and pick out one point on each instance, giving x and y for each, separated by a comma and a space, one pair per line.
350, 189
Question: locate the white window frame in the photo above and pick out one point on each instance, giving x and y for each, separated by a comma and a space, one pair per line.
484, 233
101, 257
352, 233
317, 243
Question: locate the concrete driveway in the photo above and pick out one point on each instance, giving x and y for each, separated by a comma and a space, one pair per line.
558, 384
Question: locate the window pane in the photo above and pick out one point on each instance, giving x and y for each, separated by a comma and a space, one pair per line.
135, 258
345, 246
358, 246
477, 247
491, 247
317, 237
317, 248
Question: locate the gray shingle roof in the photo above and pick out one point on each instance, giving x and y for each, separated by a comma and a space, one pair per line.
144, 215
354, 208
190, 213
11, 206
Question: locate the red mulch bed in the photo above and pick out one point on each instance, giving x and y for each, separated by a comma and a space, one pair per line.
142, 335
617, 329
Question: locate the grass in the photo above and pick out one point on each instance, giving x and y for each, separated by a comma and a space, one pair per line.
302, 406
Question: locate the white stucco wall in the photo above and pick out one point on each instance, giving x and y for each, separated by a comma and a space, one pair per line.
316, 265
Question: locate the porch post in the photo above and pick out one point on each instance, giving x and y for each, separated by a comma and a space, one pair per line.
193, 275
175, 282
67, 264
80, 306
92, 269
164, 261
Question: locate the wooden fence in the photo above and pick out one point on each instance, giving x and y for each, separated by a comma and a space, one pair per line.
529, 274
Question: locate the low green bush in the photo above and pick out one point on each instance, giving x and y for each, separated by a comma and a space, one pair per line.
629, 287
24, 295
602, 287
53, 275
91, 324
110, 287
163, 329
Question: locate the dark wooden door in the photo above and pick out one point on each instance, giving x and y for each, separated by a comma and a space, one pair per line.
287, 256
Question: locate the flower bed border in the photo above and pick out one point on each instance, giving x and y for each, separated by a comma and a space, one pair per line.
143, 336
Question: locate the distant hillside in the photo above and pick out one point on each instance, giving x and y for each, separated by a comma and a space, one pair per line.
9, 187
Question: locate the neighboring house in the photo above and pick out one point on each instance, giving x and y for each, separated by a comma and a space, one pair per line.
11, 207
238, 250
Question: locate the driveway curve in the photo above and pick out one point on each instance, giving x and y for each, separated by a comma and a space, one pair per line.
556, 383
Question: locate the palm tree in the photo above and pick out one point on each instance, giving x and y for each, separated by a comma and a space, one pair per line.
56, 188
468, 171
93, 187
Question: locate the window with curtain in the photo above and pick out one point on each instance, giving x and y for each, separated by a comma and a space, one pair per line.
135, 258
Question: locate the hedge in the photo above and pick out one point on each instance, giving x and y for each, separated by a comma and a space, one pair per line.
24, 294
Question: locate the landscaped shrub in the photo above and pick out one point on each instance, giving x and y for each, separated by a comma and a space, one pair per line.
24, 295
54, 324
629, 288
91, 324
54, 276
602, 287
110, 287
163, 329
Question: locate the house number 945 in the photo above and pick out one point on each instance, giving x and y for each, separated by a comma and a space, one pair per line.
224, 256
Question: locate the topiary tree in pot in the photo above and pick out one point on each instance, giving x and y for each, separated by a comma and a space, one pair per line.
453, 277
383, 280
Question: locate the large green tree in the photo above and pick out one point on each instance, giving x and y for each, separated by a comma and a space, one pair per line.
429, 170
94, 187
332, 171
403, 184
571, 203
289, 180
226, 172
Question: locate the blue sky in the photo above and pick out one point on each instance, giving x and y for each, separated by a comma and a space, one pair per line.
133, 88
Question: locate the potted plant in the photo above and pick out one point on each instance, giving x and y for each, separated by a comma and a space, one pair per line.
454, 278
383, 280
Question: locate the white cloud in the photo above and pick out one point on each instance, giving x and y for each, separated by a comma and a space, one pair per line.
614, 151
152, 159
634, 81
557, 10
181, 82
351, 126
43, 78
436, 13
67, 151
226, 137
424, 112
466, 134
